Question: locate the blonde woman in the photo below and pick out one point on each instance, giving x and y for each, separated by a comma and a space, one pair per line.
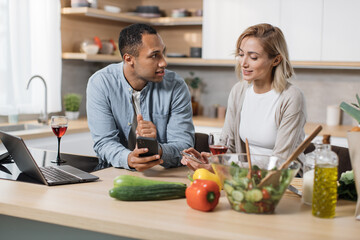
263, 106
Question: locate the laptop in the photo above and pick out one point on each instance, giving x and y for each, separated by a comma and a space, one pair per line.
49, 175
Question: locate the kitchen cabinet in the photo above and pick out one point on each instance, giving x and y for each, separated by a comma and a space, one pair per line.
318, 32
232, 17
78, 24
340, 31
301, 23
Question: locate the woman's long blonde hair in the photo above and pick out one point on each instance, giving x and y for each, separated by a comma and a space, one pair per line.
273, 41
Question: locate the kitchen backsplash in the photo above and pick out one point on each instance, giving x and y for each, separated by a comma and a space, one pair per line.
321, 87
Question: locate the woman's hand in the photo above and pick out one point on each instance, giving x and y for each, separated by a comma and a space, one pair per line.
203, 157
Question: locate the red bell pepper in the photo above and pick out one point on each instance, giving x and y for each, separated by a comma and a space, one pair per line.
203, 195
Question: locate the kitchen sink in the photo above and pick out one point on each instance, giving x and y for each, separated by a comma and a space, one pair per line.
22, 127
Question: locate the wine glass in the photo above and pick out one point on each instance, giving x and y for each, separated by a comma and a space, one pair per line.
59, 126
218, 144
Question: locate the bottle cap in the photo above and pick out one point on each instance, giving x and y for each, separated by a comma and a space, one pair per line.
326, 139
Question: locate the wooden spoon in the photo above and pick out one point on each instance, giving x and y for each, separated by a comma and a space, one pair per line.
248, 158
273, 177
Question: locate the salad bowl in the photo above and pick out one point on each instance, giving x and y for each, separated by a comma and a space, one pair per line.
244, 192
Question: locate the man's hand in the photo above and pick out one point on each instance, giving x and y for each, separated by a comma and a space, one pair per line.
145, 128
142, 163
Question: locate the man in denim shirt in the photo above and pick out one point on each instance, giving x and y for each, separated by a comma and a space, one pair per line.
139, 91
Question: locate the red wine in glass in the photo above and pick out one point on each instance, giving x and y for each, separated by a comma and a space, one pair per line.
218, 149
218, 144
59, 131
59, 126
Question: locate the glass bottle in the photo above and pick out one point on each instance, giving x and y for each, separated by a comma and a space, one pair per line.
325, 181
308, 174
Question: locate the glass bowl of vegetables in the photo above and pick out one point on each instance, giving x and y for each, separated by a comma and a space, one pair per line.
257, 192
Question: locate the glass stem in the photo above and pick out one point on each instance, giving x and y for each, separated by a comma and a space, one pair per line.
58, 156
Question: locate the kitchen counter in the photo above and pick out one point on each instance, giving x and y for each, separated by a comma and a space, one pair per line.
80, 125
88, 206
74, 126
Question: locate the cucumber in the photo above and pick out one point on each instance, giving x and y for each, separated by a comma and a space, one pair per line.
253, 195
128, 180
228, 188
148, 192
237, 195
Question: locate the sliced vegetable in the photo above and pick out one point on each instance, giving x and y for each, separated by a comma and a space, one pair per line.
253, 195
237, 195
228, 188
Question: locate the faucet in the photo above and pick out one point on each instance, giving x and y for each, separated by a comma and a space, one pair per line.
43, 118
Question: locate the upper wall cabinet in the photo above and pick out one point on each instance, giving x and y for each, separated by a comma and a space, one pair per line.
301, 23
224, 21
341, 35
315, 30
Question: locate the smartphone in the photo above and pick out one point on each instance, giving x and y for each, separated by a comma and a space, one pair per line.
149, 143
191, 157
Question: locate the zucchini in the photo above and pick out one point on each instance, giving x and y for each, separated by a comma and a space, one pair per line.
148, 192
128, 180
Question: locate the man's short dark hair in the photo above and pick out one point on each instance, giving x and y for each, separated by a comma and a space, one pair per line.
131, 38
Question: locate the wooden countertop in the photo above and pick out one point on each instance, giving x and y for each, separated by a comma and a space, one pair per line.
88, 206
74, 126
80, 125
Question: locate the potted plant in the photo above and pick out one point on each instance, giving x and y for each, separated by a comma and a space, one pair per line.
353, 111
72, 103
194, 83
353, 137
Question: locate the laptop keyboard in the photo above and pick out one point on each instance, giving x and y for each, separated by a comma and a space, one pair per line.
52, 174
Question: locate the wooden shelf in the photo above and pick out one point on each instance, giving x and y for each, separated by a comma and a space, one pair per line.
325, 65
210, 62
91, 58
170, 61
130, 18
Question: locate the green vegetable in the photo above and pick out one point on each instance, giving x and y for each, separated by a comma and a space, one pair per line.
237, 195
346, 189
228, 188
128, 180
148, 192
250, 207
253, 195
244, 194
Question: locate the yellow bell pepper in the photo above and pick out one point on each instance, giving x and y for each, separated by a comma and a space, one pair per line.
205, 174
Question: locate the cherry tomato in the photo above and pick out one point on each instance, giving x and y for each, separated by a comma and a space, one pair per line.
265, 193
258, 174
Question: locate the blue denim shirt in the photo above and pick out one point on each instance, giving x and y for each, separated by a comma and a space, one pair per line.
110, 114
